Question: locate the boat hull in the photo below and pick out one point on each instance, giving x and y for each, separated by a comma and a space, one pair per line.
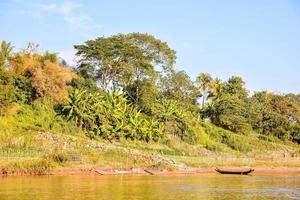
242, 172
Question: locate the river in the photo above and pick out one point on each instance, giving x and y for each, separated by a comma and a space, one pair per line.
186, 187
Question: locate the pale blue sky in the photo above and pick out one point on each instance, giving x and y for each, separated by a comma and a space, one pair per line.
258, 40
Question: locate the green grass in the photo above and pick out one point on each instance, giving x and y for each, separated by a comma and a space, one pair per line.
19, 153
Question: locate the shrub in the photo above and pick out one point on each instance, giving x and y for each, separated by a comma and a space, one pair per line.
41, 116
58, 157
108, 115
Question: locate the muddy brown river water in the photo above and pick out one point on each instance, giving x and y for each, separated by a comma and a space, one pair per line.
184, 187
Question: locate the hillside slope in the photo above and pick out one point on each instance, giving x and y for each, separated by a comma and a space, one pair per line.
32, 149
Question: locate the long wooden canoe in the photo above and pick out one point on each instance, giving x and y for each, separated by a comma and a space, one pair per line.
241, 172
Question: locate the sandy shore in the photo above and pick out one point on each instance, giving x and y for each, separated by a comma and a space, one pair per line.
84, 170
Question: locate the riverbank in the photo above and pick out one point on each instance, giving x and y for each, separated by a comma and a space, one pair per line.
137, 171
90, 170
46, 153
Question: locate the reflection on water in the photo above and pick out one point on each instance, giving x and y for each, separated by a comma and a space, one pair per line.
150, 187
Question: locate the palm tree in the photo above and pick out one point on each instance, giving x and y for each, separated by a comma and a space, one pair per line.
5, 53
216, 88
204, 81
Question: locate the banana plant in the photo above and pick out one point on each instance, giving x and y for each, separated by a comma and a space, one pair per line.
76, 108
110, 116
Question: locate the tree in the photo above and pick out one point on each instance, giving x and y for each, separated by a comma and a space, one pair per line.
295, 101
5, 53
216, 89
235, 86
203, 82
80, 82
230, 112
122, 59
52, 57
148, 95
102, 58
7, 90
47, 76
295, 133
259, 109
177, 85
272, 114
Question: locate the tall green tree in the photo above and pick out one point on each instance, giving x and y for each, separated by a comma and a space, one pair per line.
235, 86
124, 59
230, 112
177, 85
203, 82
273, 114
216, 89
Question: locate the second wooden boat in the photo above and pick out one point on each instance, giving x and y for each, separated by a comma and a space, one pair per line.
241, 172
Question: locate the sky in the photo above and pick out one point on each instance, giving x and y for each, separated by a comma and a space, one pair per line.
258, 40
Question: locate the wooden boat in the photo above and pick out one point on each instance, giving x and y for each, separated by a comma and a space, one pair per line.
241, 172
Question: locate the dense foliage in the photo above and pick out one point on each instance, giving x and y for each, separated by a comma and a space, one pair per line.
125, 87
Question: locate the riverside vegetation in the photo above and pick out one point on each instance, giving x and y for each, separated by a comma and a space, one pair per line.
125, 105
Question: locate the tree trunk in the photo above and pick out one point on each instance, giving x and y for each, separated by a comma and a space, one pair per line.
203, 98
